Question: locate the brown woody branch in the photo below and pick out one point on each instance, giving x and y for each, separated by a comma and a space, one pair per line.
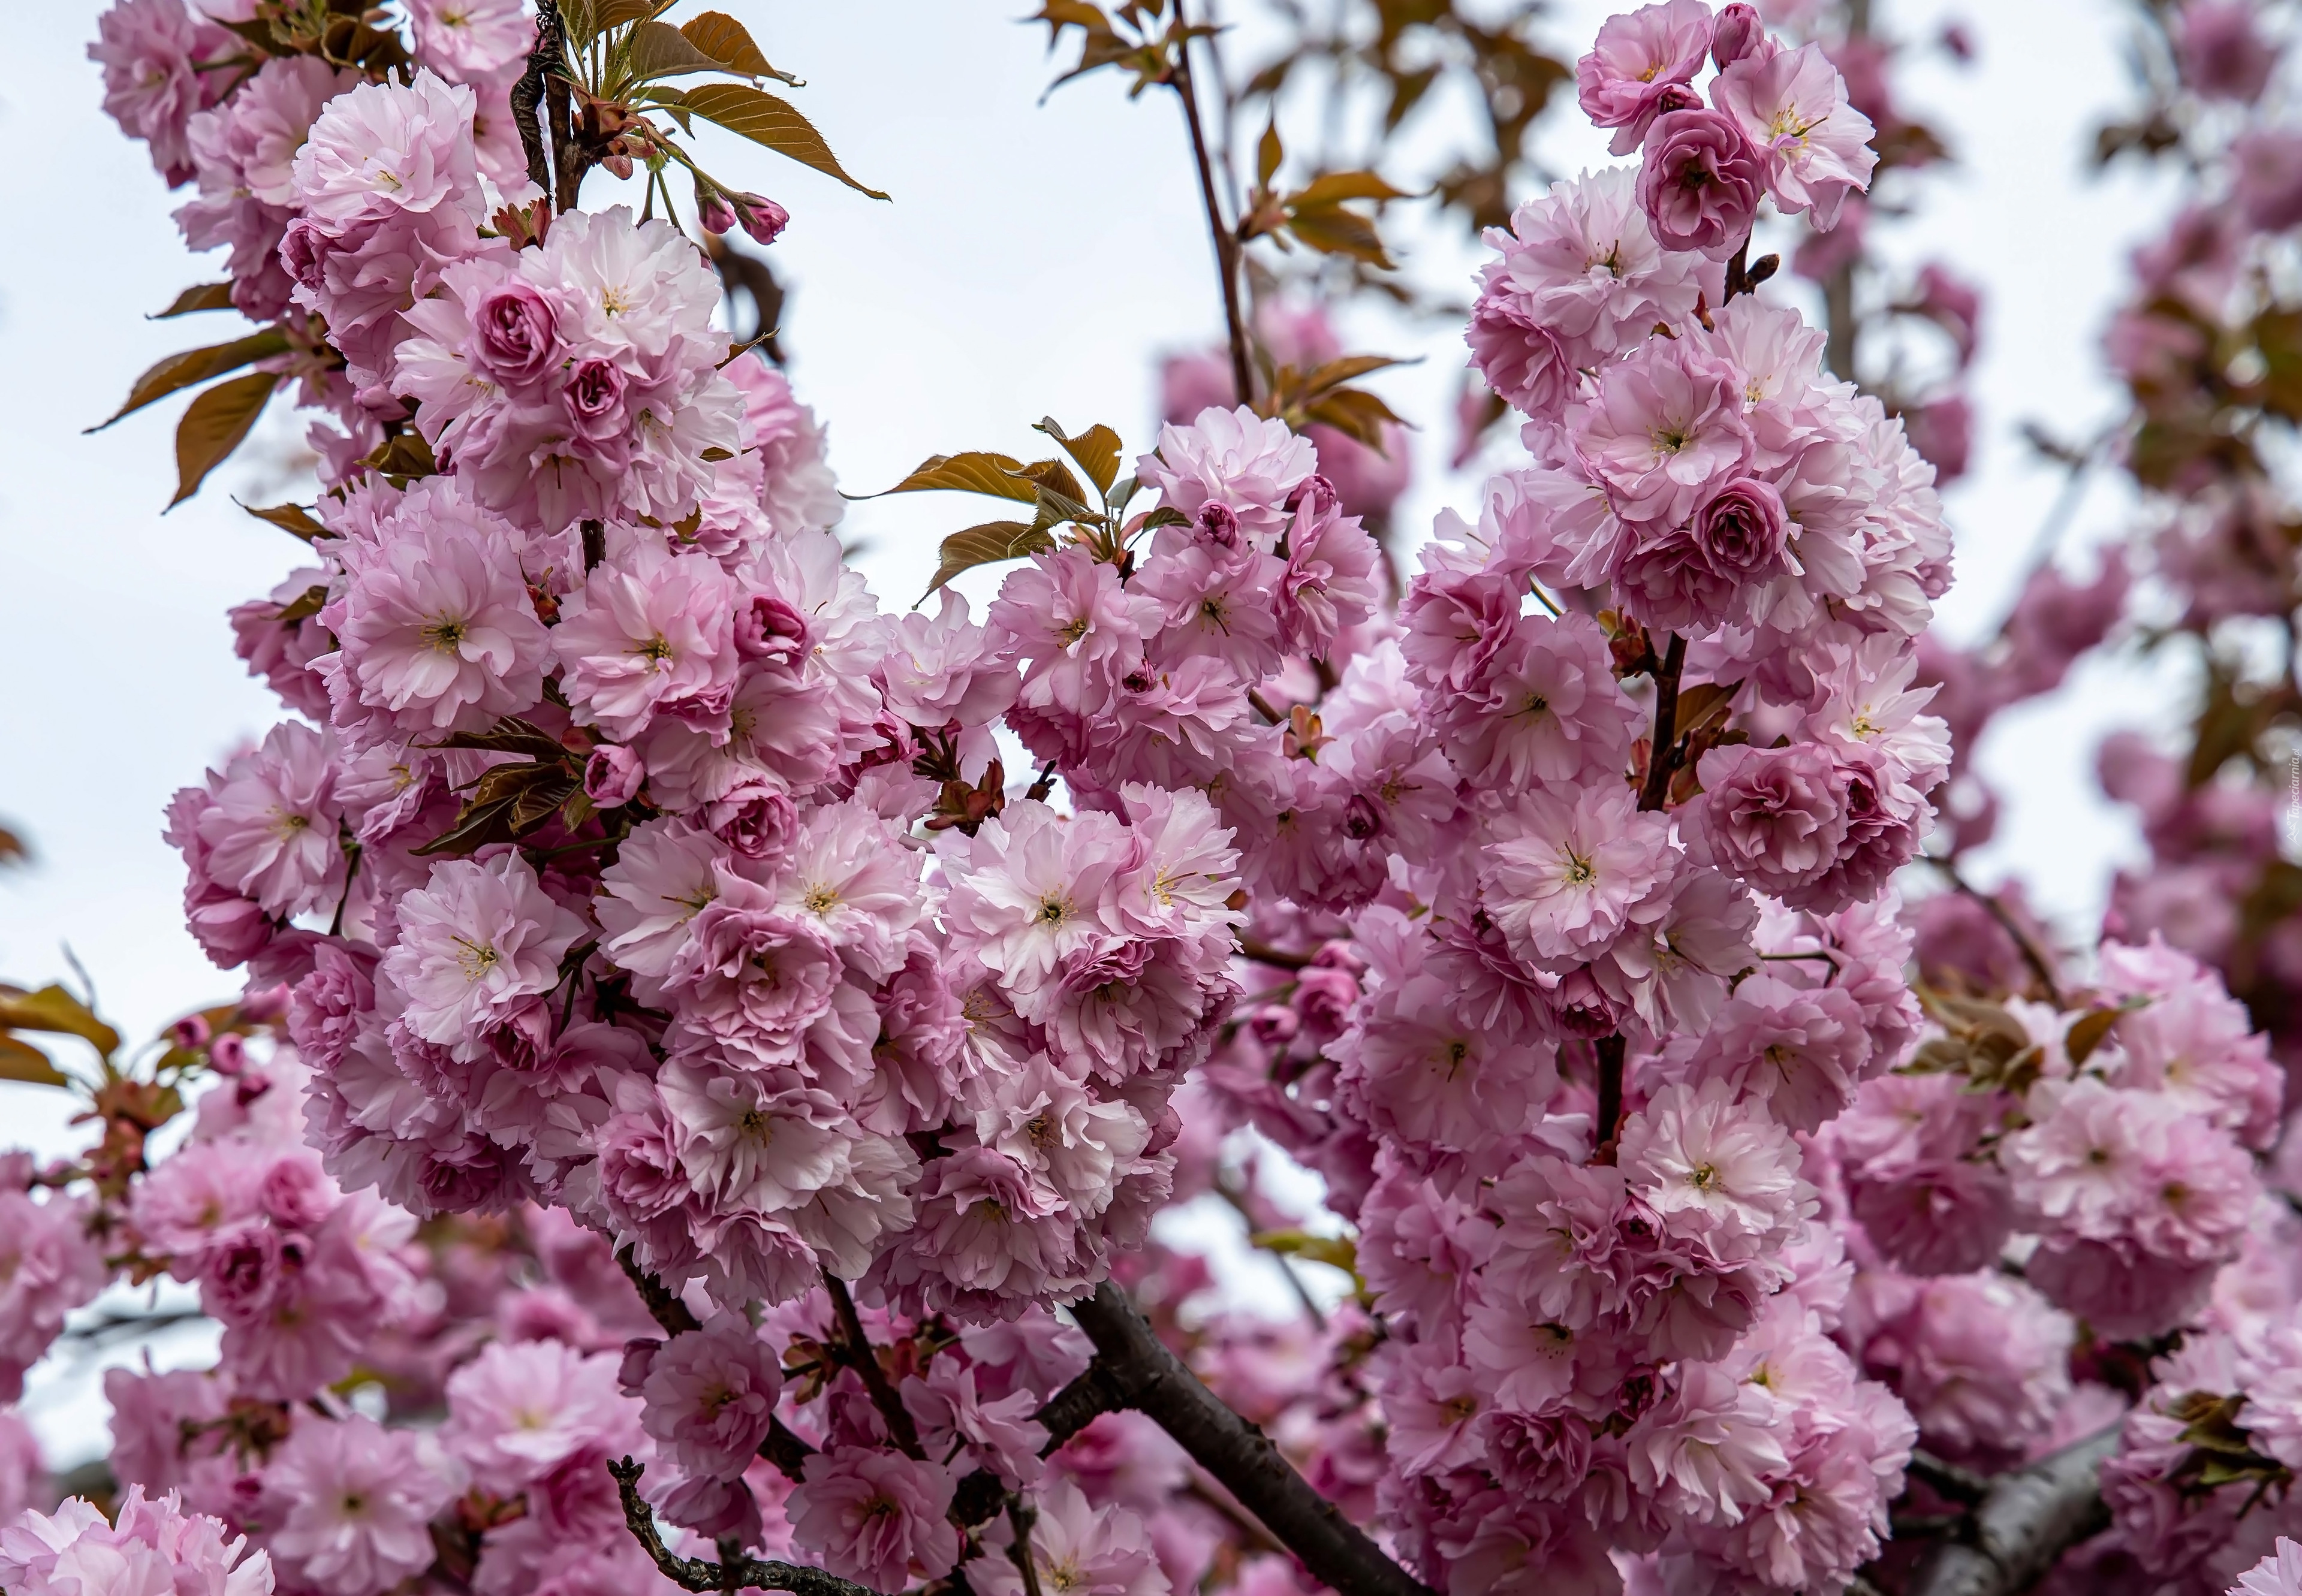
1226, 241
1147, 1376
2025, 1522
736, 1574
855, 1351
786, 1451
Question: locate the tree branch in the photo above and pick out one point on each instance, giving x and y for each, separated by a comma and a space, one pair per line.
856, 1351
786, 1451
528, 93
1610, 1122
696, 1573
1242, 366
1079, 1405
1152, 1380
2028, 1519
1662, 748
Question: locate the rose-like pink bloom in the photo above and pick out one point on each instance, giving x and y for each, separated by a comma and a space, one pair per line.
1699, 183
149, 50
194, 1199
1233, 458
2278, 1574
944, 670
664, 873
797, 489
469, 39
515, 1413
270, 823
1721, 1176
383, 149
612, 776
1711, 1449
1076, 629
1981, 1361
1774, 816
478, 944
437, 630
2189, 1040
1546, 711
1803, 1051
1031, 889
1001, 1435
1562, 874
152, 1548
711, 1394
1641, 65
875, 1516
1091, 1547
49, 1265
1664, 433
354, 1503
1328, 585
281, 652
649, 633
2221, 52
1696, 578
1792, 106
751, 976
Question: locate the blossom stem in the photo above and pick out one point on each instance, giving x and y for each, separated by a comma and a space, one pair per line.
856, 1348
1662, 751
1149, 1378
2029, 1519
1242, 368
2032, 954
698, 1575
1022, 1516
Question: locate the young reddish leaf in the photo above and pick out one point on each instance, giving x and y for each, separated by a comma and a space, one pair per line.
305, 605
764, 119
984, 545
614, 14
203, 296
1353, 411
291, 518
20, 1061
1333, 231
217, 423
972, 472
2087, 1032
729, 43
14, 849
53, 1009
1054, 479
1096, 450
1705, 705
193, 366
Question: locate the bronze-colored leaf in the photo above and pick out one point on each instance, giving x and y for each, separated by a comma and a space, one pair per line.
987, 544
2087, 1032
1269, 152
1704, 705
217, 423
201, 296
14, 848
655, 50
1095, 450
305, 605
194, 366
1334, 374
1054, 482
975, 471
729, 43
20, 1061
1356, 412
510, 735
53, 1009
292, 518
1337, 1252
1337, 186
764, 119
1333, 231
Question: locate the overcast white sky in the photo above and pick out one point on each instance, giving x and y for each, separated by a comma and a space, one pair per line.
1036, 260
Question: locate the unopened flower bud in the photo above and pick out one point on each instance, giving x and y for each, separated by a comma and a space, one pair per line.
228, 1053
770, 629
189, 1032
613, 775
713, 212
1218, 523
763, 219
1739, 27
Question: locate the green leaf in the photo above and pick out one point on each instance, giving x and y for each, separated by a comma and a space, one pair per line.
729, 43
193, 366
975, 471
291, 518
53, 1009
764, 119
218, 422
203, 296
1096, 451
987, 544
660, 50
1338, 185
20, 1061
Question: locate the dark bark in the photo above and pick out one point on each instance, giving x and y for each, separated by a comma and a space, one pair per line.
855, 1351
736, 1574
1609, 1123
1150, 1379
528, 93
2026, 1521
1662, 750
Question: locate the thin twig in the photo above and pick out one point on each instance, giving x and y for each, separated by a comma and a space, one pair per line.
697, 1575
1020, 1517
1609, 1122
2032, 954
1277, 958
1242, 365
1662, 750
782, 1448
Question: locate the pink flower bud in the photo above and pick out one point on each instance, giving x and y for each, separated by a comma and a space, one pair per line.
1738, 27
228, 1053
1699, 183
189, 1032
612, 777
713, 213
763, 219
770, 629
519, 339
